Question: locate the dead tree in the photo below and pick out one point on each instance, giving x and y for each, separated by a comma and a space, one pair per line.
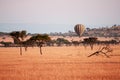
104, 50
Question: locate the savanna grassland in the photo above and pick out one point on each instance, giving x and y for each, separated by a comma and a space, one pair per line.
59, 63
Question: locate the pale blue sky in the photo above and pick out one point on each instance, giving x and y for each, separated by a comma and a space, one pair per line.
54, 12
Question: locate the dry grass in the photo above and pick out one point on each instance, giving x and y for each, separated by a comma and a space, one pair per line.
58, 63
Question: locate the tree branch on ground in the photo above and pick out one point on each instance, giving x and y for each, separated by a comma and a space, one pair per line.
104, 50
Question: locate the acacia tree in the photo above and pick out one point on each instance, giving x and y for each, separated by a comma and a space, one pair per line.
30, 42
40, 40
18, 37
90, 41
61, 41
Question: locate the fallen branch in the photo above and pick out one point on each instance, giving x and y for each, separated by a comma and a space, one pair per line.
103, 50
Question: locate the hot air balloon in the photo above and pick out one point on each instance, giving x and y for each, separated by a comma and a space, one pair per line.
79, 29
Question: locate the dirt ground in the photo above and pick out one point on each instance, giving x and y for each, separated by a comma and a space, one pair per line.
59, 63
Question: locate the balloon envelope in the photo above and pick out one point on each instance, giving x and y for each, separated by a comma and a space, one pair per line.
79, 29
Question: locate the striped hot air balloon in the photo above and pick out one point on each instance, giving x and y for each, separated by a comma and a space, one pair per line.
79, 29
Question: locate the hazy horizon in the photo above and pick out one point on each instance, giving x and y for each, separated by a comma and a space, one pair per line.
42, 28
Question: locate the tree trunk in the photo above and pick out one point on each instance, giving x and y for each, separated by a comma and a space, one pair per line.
91, 45
25, 48
40, 49
20, 50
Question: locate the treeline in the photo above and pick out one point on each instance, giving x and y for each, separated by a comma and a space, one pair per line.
33, 42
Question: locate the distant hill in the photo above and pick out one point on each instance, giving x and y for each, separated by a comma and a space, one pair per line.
113, 31
3, 33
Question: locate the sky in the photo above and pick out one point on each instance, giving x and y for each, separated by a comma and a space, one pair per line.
57, 15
